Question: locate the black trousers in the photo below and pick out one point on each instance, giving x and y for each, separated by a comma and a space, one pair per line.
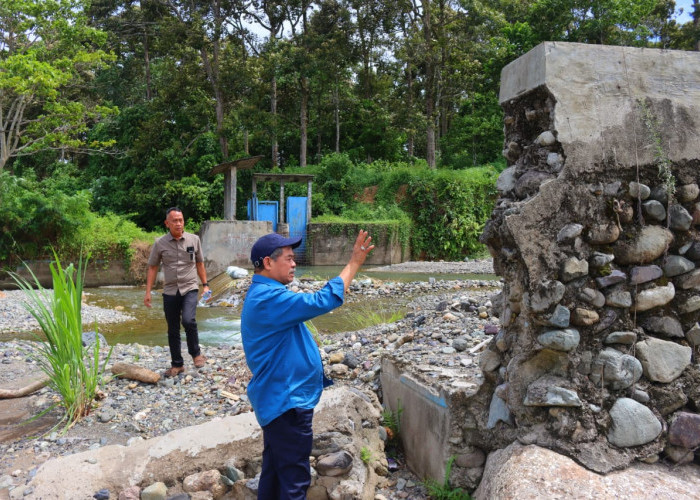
287, 442
179, 308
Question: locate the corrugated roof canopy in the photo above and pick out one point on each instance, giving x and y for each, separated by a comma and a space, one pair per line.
242, 164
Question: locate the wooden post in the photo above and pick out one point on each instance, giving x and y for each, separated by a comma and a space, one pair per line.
282, 202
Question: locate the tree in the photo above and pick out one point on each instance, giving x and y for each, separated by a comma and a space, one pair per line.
47, 55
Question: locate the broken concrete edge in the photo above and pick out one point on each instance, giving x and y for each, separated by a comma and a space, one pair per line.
172, 457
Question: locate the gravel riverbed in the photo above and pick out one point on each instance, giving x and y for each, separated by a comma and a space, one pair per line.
446, 320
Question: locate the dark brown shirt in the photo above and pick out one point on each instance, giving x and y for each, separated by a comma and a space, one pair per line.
179, 258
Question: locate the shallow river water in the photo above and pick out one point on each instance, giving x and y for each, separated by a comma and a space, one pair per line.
221, 325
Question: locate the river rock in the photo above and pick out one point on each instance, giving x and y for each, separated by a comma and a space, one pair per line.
334, 464
489, 361
560, 340
592, 296
573, 268
688, 193
645, 245
555, 161
506, 181
664, 325
693, 335
209, 480
545, 139
689, 305
560, 317
569, 232
693, 253
685, 430
498, 412
547, 294
659, 194
616, 276
633, 424
551, 391
689, 280
599, 259
676, 265
626, 338
529, 183
679, 218
603, 234
619, 298
584, 317
615, 369
645, 274
654, 210
654, 297
639, 190
662, 360
155, 491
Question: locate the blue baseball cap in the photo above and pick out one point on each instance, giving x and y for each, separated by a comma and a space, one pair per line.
268, 244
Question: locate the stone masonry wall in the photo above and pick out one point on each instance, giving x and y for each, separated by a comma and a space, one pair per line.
597, 236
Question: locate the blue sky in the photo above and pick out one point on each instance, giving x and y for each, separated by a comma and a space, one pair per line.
687, 6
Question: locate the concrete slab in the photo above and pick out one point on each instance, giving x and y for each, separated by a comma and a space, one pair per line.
228, 243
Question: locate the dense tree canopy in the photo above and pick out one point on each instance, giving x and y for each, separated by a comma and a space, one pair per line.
143, 97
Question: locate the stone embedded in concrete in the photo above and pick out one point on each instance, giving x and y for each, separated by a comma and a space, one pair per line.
529, 183
547, 294
689, 305
498, 412
555, 161
645, 274
603, 234
506, 181
584, 317
626, 338
676, 265
573, 268
334, 464
155, 491
551, 391
569, 232
689, 280
693, 335
616, 276
688, 192
685, 430
633, 424
470, 458
693, 252
560, 340
599, 259
663, 325
615, 369
654, 210
679, 218
639, 190
678, 455
489, 360
209, 480
654, 297
662, 360
644, 246
546, 138
659, 194
607, 318
592, 296
560, 317
619, 298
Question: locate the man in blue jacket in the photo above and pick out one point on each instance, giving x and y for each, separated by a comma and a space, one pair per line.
284, 359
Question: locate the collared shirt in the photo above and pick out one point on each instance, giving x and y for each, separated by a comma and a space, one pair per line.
179, 258
279, 348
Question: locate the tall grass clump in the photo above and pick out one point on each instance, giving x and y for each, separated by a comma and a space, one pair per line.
74, 371
444, 491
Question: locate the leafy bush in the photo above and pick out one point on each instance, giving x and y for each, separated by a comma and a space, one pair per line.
74, 371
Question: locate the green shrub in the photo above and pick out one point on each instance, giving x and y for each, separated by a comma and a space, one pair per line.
74, 371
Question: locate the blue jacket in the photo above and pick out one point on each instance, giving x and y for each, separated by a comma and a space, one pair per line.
279, 348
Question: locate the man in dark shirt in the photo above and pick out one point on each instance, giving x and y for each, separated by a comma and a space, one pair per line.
284, 359
182, 259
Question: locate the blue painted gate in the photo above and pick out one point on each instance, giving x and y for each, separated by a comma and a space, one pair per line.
263, 210
296, 217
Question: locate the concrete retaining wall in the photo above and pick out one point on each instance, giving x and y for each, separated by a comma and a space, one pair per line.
331, 244
99, 273
228, 243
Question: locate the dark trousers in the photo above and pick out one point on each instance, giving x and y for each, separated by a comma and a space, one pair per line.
285, 467
181, 308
